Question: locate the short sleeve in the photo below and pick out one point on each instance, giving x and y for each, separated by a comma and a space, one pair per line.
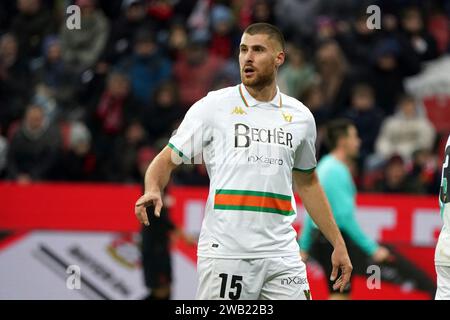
193, 133
305, 155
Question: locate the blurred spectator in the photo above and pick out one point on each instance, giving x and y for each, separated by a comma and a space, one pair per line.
115, 106
147, 67
396, 179
225, 36
389, 23
366, 116
438, 27
109, 114
425, 169
228, 75
123, 30
82, 47
199, 19
124, 155
160, 12
164, 112
415, 34
79, 160
326, 29
14, 81
345, 10
30, 26
296, 74
47, 102
297, 16
312, 98
243, 11
35, 148
405, 132
177, 40
334, 75
51, 72
262, 11
391, 64
196, 64
359, 43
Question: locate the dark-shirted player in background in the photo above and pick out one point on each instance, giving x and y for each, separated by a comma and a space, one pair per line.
156, 243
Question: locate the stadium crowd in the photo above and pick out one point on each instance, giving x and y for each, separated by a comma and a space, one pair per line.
97, 103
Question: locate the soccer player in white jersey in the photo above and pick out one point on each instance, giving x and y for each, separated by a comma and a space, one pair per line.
442, 254
256, 143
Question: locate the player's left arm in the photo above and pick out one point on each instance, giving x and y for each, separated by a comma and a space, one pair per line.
316, 204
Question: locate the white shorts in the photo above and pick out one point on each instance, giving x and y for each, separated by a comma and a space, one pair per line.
282, 278
443, 283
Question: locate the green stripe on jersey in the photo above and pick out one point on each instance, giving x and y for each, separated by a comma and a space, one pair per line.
253, 193
255, 209
171, 146
304, 170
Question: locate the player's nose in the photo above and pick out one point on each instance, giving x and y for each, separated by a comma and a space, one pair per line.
248, 57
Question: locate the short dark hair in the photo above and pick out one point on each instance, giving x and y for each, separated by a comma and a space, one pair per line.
335, 130
269, 29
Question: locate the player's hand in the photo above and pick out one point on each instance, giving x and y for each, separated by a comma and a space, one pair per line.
152, 198
341, 261
190, 240
381, 255
304, 255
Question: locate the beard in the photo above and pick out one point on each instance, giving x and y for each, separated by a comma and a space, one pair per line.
261, 79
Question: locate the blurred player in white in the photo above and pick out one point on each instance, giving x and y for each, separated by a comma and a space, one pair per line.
442, 255
256, 143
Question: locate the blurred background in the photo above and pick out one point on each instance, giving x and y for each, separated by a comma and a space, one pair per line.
83, 112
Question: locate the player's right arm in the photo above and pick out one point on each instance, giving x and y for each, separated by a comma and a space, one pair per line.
184, 145
157, 177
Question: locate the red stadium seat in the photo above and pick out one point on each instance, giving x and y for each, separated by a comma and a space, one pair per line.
438, 111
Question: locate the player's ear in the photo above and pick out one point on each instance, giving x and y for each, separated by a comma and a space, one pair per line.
279, 60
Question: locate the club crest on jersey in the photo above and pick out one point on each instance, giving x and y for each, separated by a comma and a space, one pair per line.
238, 110
287, 117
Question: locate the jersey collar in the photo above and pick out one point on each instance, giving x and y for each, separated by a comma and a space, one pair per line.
249, 101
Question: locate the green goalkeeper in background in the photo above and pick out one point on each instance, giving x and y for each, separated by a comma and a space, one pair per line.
336, 179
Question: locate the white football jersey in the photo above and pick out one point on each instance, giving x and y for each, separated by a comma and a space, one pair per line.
250, 149
442, 255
